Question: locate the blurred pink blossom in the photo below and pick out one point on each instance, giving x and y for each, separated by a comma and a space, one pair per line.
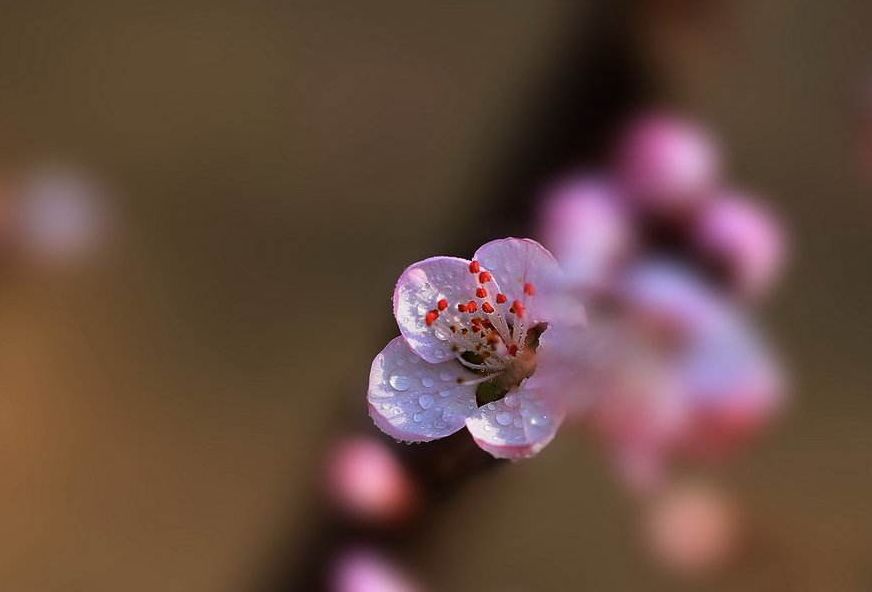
366, 480
366, 570
667, 164
584, 223
745, 238
471, 339
693, 529
61, 216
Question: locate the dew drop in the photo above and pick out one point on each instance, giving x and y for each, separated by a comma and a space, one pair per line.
427, 381
444, 393
491, 406
400, 383
417, 417
504, 418
446, 375
511, 400
538, 420
426, 401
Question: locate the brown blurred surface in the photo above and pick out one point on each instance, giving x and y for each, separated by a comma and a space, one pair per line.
277, 165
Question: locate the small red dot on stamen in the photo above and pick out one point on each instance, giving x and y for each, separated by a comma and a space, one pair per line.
501, 298
529, 289
474, 267
484, 277
471, 306
481, 293
431, 317
461, 307
518, 308
487, 307
442, 304
513, 350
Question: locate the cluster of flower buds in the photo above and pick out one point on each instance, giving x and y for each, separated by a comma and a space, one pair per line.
669, 263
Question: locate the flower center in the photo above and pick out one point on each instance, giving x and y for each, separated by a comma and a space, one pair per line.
489, 334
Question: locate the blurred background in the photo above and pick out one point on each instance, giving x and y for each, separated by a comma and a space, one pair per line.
267, 169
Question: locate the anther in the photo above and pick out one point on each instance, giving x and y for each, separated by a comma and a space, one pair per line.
431, 317
442, 304
471, 306
487, 307
513, 350
461, 307
481, 293
474, 267
501, 298
484, 277
518, 309
529, 289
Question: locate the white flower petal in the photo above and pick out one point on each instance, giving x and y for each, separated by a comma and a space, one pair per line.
518, 425
416, 401
419, 290
516, 263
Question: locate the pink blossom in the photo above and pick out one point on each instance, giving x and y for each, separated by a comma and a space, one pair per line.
743, 236
693, 529
366, 479
584, 223
680, 373
471, 338
667, 164
366, 570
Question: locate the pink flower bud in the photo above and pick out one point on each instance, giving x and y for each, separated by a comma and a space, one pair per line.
744, 237
366, 570
692, 530
585, 225
667, 164
366, 480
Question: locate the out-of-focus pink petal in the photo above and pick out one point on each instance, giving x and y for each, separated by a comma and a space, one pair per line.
666, 296
746, 238
522, 268
416, 401
693, 529
419, 290
366, 479
734, 385
667, 164
517, 426
585, 224
366, 570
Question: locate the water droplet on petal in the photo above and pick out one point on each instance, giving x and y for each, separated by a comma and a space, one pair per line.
426, 401
504, 418
444, 393
400, 383
427, 381
417, 417
537, 420
491, 406
446, 375
511, 400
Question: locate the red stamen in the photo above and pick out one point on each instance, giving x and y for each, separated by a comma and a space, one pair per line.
481, 293
461, 307
487, 307
501, 298
474, 267
518, 309
529, 289
442, 304
513, 350
431, 317
471, 306
484, 277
